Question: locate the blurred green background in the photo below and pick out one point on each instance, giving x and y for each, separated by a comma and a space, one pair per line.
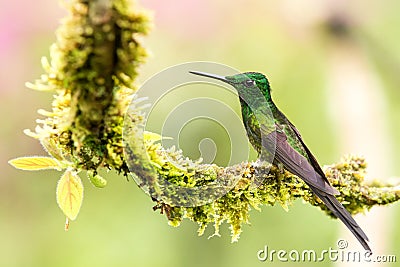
290, 41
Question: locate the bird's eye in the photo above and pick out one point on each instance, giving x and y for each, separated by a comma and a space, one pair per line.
249, 83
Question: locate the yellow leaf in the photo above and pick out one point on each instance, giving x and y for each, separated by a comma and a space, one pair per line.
35, 163
70, 194
150, 137
50, 146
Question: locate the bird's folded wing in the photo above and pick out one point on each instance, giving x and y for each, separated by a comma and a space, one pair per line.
311, 157
296, 163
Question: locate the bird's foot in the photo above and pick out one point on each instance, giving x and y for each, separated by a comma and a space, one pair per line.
281, 168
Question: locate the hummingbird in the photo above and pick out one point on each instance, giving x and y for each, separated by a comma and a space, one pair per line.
281, 135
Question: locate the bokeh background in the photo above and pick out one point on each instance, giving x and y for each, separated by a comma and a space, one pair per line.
334, 68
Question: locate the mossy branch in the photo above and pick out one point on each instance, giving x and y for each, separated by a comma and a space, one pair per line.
92, 68
277, 186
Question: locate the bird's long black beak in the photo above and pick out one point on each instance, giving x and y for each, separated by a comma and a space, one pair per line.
217, 77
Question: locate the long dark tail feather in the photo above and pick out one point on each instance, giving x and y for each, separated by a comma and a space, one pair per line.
340, 212
313, 176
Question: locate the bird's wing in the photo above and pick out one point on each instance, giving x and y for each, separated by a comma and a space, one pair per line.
311, 157
296, 163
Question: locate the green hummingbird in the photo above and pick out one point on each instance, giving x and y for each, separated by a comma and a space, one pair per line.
269, 129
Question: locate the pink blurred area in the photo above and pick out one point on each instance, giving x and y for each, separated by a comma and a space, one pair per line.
21, 25
199, 17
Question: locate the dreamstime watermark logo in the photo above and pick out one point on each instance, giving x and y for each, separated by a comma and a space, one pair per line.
338, 254
197, 112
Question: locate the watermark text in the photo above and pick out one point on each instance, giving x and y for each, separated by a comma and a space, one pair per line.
338, 254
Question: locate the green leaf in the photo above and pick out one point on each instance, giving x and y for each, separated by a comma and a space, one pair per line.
70, 194
96, 179
35, 163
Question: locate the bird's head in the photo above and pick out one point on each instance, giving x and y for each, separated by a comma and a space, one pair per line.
247, 84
